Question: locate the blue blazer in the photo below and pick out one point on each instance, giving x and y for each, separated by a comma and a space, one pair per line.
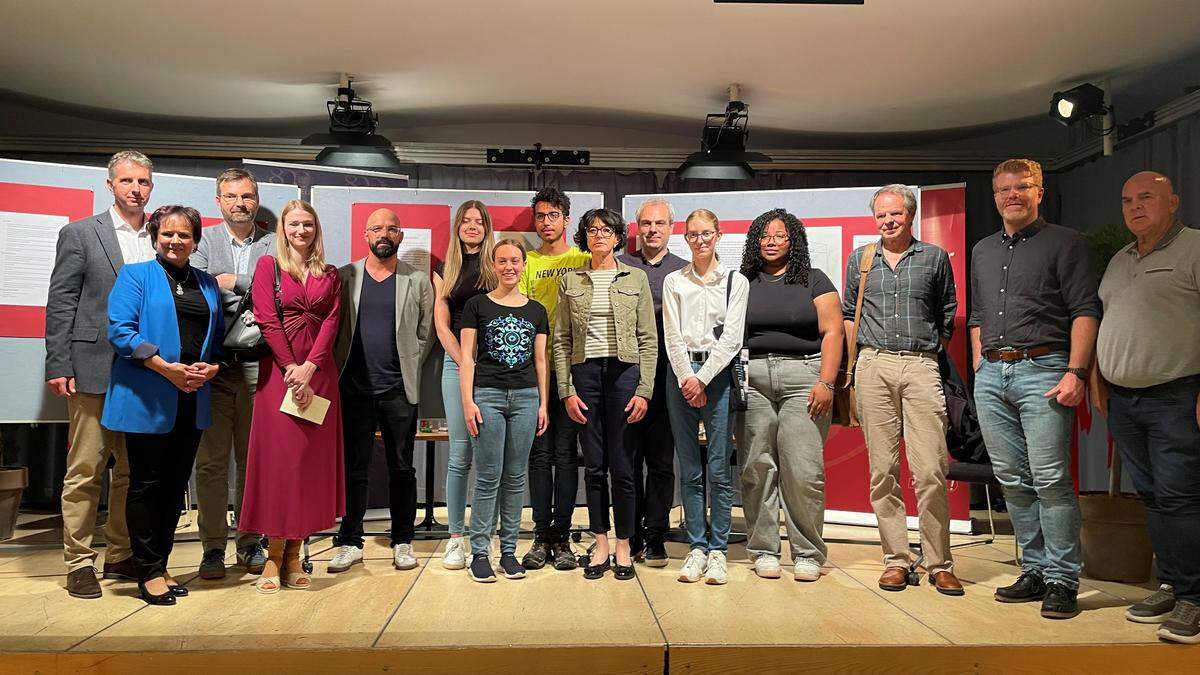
142, 322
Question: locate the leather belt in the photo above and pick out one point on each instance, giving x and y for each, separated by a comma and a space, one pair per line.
1009, 354
697, 357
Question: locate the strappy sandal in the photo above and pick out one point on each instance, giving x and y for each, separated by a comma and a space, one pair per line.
267, 585
298, 580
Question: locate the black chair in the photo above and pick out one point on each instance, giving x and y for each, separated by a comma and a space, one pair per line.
980, 474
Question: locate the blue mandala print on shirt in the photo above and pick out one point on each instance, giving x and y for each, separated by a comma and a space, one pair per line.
509, 340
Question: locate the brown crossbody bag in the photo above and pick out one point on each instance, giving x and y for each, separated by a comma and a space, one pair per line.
845, 410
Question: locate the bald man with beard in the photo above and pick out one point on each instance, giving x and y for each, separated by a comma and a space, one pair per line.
1147, 379
384, 335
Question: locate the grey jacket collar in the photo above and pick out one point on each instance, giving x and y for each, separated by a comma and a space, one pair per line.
103, 224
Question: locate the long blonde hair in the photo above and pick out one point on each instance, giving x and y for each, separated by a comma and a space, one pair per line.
315, 264
452, 265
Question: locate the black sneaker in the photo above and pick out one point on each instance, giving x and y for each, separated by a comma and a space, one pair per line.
1154, 609
541, 551
564, 557
655, 553
213, 564
1183, 625
1027, 588
481, 569
512, 568
1060, 602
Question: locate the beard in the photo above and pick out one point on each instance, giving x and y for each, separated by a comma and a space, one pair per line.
240, 217
384, 249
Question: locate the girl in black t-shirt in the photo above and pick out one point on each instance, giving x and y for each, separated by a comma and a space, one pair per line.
503, 380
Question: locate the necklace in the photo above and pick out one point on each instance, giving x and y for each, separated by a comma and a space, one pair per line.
179, 284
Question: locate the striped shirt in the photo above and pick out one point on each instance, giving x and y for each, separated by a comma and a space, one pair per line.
908, 308
601, 330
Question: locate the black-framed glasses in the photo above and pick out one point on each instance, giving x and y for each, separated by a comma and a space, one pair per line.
552, 216
603, 231
773, 238
704, 236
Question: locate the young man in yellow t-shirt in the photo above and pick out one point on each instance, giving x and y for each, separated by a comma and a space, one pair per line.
553, 461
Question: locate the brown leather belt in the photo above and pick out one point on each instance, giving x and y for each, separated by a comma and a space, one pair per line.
1016, 354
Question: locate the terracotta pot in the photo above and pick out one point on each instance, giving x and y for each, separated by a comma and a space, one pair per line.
1116, 544
13, 480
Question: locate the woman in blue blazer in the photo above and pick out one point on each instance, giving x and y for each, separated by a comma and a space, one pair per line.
165, 324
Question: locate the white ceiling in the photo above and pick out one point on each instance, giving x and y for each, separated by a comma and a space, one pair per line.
888, 66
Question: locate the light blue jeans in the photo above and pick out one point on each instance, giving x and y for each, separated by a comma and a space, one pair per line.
458, 467
1028, 437
501, 461
684, 425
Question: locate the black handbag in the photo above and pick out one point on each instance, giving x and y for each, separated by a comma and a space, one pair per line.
739, 381
243, 337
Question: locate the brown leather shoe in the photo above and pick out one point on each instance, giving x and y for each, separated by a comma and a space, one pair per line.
946, 583
81, 583
894, 579
125, 570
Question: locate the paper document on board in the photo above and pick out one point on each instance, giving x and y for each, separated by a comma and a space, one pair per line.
27, 244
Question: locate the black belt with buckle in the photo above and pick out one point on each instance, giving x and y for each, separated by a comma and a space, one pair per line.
1009, 354
698, 357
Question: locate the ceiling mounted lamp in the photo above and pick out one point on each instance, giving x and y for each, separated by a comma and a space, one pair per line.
1082, 102
723, 153
352, 142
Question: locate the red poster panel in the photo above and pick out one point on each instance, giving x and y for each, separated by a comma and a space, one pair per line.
434, 217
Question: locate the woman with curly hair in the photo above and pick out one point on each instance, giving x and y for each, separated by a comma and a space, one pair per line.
794, 336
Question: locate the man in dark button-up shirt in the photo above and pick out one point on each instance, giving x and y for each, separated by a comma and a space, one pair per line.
907, 310
1033, 330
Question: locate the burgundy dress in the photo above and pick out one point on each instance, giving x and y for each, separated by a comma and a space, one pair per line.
295, 482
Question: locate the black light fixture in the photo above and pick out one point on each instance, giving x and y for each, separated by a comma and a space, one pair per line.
352, 142
1082, 102
723, 153
537, 157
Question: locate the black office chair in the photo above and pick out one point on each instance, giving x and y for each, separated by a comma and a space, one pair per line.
979, 474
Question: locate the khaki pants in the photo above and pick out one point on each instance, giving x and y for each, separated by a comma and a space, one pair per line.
901, 395
232, 403
88, 450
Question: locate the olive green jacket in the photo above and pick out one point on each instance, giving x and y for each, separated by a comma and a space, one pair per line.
633, 314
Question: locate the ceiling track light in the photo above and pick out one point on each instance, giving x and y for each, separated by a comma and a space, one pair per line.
538, 157
1079, 103
723, 154
352, 142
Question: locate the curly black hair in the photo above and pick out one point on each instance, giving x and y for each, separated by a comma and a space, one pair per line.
798, 264
554, 197
607, 218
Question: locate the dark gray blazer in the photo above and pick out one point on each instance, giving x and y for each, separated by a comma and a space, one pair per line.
86, 263
414, 321
214, 254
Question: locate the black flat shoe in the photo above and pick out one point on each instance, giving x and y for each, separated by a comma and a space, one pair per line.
178, 591
596, 571
623, 572
167, 598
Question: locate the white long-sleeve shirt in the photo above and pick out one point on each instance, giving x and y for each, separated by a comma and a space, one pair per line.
692, 307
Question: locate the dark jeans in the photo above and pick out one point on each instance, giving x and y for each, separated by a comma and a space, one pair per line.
554, 470
1155, 429
396, 418
609, 442
159, 468
656, 450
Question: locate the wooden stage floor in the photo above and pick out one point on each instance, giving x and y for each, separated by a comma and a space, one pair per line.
375, 618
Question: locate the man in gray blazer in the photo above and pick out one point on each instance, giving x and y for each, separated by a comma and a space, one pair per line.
79, 359
384, 335
229, 252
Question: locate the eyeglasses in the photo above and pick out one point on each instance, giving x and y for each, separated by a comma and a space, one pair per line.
1009, 189
379, 230
232, 198
551, 216
604, 231
704, 236
770, 238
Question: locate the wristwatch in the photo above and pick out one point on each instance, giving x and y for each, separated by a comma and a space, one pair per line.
1081, 373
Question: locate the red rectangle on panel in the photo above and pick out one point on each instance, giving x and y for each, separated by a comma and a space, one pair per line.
74, 204
435, 217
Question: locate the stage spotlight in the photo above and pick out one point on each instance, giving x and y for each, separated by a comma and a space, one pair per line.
352, 142
1072, 105
723, 154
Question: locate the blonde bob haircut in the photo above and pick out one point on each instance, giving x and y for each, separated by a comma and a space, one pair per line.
452, 264
315, 263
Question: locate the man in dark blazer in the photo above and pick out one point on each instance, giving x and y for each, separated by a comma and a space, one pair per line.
229, 252
79, 359
384, 335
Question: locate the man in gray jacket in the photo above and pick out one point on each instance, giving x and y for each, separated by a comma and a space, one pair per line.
79, 359
229, 252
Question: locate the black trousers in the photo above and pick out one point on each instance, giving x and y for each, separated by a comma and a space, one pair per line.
159, 468
656, 452
396, 418
609, 441
554, 470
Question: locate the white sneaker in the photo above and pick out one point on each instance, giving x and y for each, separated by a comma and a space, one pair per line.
344, 557
693, 567
766, 566
806, 569
714, 571
403, 558
455, 557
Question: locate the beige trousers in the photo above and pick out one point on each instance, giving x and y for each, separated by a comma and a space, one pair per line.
232, 403
88, 450
900, 395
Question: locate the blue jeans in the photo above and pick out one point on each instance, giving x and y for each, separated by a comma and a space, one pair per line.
1156, 432
684, 425
501, 460
458, 466
1028, 437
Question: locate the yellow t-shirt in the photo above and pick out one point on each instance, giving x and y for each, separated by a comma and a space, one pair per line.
541, 278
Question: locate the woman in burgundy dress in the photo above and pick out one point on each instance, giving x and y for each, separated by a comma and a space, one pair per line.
294, 476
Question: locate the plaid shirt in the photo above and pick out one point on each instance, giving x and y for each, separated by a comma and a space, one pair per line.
906, 309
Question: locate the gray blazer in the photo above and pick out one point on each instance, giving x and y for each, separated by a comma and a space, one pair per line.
86, 263
214, 254
414, 320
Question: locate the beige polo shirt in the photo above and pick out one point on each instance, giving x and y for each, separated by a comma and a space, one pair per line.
1150, 333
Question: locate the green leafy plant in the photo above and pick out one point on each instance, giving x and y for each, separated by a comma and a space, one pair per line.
1105, 241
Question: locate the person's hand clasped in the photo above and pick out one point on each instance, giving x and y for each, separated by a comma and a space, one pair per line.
575, 407
820, 400
303, 396
295, 375
61, 386
1069, 391
636, 408
200, 373
474, 417
691, 387
180, 376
